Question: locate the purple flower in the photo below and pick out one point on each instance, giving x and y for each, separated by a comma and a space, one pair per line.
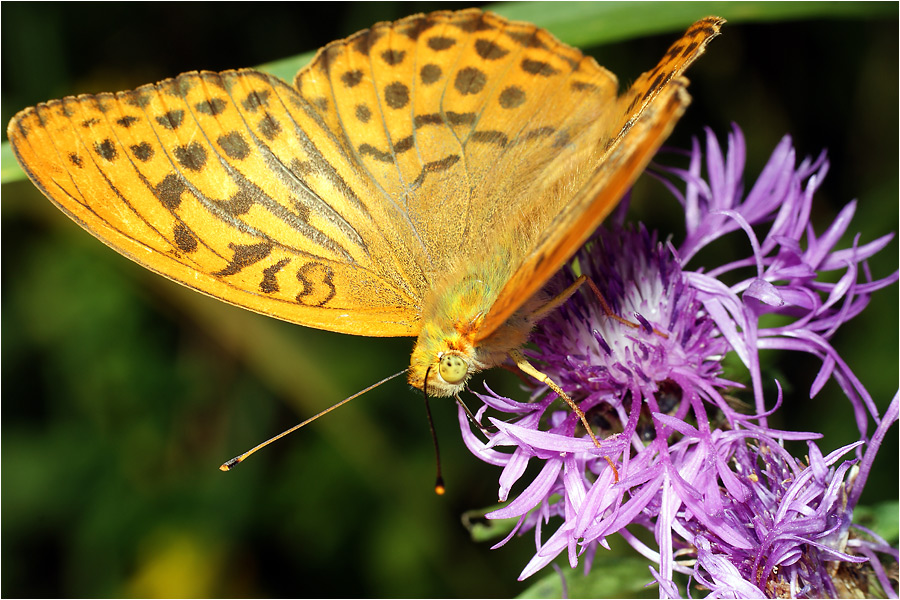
700, 470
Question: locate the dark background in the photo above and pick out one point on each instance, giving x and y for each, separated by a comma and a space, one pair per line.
122, 392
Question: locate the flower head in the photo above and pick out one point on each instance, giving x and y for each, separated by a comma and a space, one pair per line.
643, 357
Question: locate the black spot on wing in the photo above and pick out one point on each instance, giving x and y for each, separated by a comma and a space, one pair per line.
255, 100
455, 118
440, 43
539, 132
430, 73
269, 127
472, 22
352, 78
238, 204
436, 167
169, 191
366, 39
269, 283
538, 67
184, 238
171, 120
490, 137
244, 256
363, 113
106, 149
583, 86
317, 278
379, 155
191, 156
212, 106
393, 57
428, 119
469, 80
396, 95
404, 144
143, 151
512, 97
489, 50
234, 145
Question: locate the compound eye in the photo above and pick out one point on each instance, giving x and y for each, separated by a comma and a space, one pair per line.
453, 368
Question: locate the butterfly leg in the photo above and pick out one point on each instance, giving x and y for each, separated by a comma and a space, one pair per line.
484, 430
609, 312
560, 298
529, 369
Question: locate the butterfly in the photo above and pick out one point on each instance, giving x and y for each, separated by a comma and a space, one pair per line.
421, 178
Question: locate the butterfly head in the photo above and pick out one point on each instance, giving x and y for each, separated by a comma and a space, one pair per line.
443, 373
444, 358
453, 368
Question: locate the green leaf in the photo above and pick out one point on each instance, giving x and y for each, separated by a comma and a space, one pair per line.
585, 24
609, 578
9, 168
483, 529
882, 518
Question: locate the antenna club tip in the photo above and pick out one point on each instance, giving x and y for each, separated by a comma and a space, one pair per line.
230, 464
439, 488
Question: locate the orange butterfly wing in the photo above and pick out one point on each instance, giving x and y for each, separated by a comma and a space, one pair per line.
646, 115
221, 182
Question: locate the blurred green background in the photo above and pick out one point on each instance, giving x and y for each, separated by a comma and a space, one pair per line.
122, 392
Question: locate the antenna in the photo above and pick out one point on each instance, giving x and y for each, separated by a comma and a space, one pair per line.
439, 488
230, 464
